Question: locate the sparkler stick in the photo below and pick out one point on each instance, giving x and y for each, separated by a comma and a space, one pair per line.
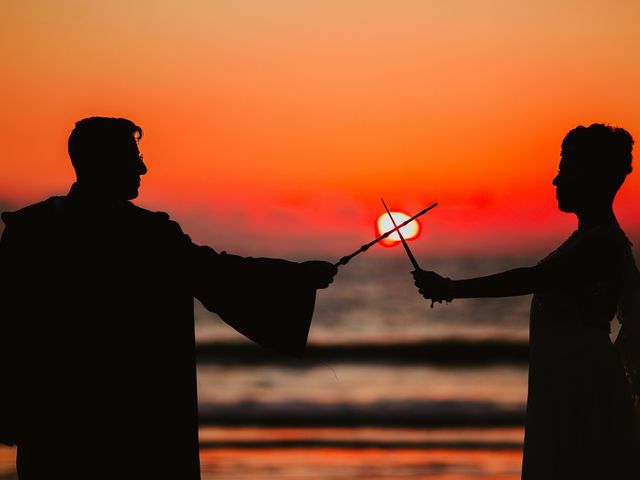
404, 242
344, 260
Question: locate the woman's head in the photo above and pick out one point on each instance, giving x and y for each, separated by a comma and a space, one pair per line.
594, 163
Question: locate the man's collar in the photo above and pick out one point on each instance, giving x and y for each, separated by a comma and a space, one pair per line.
88, 198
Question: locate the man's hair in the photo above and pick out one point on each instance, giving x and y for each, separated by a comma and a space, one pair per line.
605, 151
97, 138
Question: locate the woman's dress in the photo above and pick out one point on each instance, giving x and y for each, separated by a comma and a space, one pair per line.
580, 421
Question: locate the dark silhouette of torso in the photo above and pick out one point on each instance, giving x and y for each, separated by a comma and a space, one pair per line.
98, 349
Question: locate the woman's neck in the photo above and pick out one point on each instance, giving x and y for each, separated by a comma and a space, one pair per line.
597, 217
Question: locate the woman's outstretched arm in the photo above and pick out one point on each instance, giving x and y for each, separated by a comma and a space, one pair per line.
593, 259
546, 276
519, 281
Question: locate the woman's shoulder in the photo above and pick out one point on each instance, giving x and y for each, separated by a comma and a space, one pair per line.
605, 249
603, 237
604, 244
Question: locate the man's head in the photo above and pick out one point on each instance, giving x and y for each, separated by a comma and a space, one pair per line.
104, 153
594, 163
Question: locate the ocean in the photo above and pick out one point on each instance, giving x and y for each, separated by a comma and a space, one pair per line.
390, 388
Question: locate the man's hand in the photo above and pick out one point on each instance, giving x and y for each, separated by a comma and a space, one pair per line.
432, 286
318, 273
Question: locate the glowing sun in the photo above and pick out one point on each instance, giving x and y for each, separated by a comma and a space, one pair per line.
384, 224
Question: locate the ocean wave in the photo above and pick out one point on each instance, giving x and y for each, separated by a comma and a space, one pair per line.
364, 444
379, 413
447, 352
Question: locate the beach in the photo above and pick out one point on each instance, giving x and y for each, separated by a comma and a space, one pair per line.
340, 463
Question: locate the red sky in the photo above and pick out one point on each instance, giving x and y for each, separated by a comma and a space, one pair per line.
275, 127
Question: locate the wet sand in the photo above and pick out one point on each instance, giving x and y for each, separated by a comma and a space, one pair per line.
249, 453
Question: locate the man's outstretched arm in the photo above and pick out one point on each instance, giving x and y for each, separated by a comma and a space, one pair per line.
270, 301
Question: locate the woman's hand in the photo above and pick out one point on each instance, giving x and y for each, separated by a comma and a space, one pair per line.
432, 286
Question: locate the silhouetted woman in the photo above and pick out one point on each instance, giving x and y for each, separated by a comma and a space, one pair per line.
580, 421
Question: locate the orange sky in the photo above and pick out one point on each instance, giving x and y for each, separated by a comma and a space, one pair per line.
274, 127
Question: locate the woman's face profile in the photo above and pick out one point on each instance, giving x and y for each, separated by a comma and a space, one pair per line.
573, 186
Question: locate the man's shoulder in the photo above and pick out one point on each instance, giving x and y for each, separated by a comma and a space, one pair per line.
154, 219
34, 213
144, 214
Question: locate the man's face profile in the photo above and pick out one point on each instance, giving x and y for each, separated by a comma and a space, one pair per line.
124, 169
115, 171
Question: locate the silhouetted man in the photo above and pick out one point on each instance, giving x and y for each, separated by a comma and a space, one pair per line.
98, 351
